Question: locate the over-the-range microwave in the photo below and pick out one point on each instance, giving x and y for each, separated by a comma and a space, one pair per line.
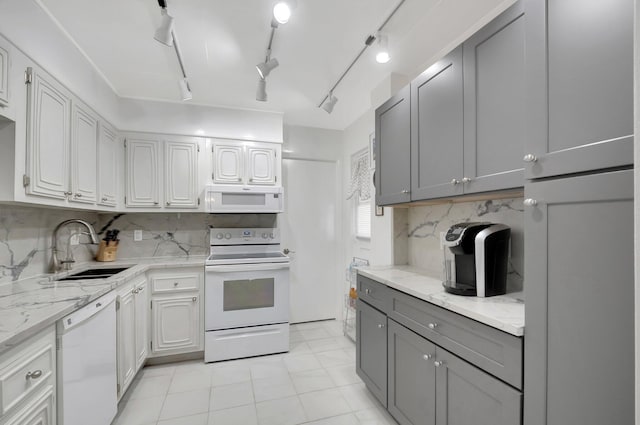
243, 199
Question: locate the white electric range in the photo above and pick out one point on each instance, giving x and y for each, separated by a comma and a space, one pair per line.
246, 294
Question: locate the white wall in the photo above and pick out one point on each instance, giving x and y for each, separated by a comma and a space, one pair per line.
636, 204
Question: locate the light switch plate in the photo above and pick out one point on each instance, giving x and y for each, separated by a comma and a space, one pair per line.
137, 235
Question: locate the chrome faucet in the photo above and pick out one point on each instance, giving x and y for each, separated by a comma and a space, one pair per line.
59, 265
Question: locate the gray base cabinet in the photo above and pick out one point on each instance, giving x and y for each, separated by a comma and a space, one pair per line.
371, 349
579, 345
579, 61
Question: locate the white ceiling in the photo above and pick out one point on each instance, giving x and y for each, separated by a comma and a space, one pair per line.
222, 40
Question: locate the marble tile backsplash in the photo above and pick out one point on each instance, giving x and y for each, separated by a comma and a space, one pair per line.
425, 223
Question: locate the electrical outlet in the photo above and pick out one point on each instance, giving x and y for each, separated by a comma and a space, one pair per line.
137, 235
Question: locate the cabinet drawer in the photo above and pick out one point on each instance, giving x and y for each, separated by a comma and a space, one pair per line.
177, 283
488, 348
40, 411
26, 371
374, 293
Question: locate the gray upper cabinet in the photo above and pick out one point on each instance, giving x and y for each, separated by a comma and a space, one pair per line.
494, 104
437, 129
579, 62
371, 349
393, 146
579, 339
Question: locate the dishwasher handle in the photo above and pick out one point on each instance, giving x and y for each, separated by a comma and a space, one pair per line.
87, 312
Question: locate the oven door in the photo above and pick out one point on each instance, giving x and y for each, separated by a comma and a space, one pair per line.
246, 295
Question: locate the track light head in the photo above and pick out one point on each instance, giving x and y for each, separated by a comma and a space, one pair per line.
164, 33
185, 90
282, 10
261, 93
265, 68
382, 48
329, 103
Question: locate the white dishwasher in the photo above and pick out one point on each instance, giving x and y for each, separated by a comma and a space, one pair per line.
87, 375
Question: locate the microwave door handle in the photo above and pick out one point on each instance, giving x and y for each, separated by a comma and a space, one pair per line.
247, 267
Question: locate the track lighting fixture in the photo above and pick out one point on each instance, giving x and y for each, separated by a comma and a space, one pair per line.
382, 48
261, 93
185, 90
164, 33
282, 10
265, 68
329, 103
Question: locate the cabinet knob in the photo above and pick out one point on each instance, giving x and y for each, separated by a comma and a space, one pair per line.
156, 203
194, 299
250, 180
134, 291
140, 289
432, 326
427, 356
466, 180
78, 195
380, 325
168, 203
33, 375
104, 199
438, 363
405, 191
530, 158
68, 193
455, 182
530, 202
175, 284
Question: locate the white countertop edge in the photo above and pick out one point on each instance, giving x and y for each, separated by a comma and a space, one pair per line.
479, 309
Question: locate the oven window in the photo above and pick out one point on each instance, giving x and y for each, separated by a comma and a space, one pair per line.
245, 294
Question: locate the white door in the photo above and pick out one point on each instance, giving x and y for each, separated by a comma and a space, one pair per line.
84, 151
308, 229
48, 137
143, 173
261, 164
107, 166
142, 321
228, 163
181, 174
176, 323
126, 338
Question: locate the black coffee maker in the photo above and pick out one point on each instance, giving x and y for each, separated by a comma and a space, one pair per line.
476, 256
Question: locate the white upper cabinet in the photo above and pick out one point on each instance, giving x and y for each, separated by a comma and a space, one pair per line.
246, 163
181, 174
49, 106
84, 150
107, 166
4, 76
143, 173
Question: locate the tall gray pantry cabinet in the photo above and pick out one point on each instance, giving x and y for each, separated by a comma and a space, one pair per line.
579, 336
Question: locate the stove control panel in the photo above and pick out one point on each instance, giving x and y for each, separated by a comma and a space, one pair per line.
244, 236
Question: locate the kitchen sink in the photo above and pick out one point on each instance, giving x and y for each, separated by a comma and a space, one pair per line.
101, 273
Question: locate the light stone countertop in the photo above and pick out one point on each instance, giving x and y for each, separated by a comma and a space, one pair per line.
30, 305
504, 312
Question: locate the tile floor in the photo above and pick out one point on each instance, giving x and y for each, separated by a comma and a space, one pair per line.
315, 383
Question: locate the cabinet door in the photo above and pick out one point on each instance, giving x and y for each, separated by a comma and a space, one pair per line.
40, 411
107, 166
393, 150
494, 104
49, 108
436, 129
465, 395
181, 174
84, 150
579, 61
579, 244
176, 324
371, 349
412, 377
143, 173
261, 164
142, 322
4, 76
126, 338
228, 163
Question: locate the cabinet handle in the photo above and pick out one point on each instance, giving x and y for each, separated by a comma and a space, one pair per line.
380, 325
530, 158
530, 202
427, 356
438, 363
33, 375
405, 191
432, 326
367, 291
455, 182
466, 180
194, 299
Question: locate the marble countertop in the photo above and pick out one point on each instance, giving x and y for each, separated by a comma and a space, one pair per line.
30, 305
504, 312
